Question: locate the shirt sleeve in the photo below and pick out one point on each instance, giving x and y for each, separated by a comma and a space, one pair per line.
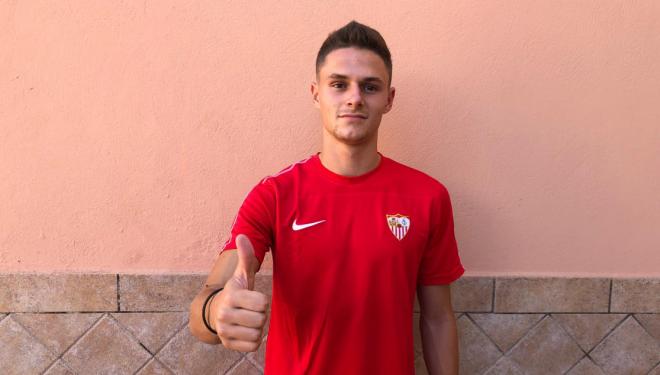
255, 219
440, 262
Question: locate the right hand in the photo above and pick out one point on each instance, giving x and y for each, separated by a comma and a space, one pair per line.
238, 313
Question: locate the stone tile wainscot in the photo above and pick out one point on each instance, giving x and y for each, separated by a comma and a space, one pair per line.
137, 324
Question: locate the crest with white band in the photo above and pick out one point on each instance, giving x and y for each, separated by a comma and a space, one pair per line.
399, 225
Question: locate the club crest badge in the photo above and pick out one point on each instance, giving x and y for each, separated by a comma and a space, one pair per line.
399, 225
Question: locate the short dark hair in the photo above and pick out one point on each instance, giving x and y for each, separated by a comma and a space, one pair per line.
357, 35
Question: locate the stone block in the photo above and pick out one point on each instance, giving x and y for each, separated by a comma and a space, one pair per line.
586, 367
152, 330
518, 295
64, 292
504, 366
476, 352
650, 322
636, 295
154, 367
546, 349
57, 331
258, 358
629, 349
59, 368
588, 329
155, 293
472, 294
264, 284
106, 349
655, 371
244, 367
21, 353
185, 354
505, 329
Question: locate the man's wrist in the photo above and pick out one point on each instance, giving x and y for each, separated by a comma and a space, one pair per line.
207, 316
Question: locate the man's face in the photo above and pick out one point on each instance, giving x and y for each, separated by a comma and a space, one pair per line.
352, 93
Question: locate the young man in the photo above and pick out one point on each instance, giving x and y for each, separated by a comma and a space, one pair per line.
353, 235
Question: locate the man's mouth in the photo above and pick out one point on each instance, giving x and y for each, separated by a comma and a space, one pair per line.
353, 115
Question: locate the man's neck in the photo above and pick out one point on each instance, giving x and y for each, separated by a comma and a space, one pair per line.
348, 160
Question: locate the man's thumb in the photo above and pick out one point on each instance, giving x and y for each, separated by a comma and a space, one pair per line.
247, 262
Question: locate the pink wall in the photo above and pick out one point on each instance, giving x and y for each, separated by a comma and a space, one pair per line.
130, 132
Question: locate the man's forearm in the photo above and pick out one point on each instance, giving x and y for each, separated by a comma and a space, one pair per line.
218, 277
440, 344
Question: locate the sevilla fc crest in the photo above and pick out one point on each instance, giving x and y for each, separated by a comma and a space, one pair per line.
399, 225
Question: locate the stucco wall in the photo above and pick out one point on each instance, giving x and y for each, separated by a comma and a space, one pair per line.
130, 132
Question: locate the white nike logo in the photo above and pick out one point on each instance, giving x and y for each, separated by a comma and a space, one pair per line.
296, 226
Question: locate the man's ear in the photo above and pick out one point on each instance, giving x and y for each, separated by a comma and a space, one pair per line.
390, 99
314, 88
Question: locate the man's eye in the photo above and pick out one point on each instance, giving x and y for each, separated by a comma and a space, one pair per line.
337, 85
370, 88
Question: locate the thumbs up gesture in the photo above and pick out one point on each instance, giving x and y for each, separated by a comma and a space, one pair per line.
238, 313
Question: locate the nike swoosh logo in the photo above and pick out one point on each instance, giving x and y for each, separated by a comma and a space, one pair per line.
297, 226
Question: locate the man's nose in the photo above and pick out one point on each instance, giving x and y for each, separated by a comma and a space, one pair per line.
354, 98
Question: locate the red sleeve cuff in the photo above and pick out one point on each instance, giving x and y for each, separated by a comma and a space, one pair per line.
259, 248
444, 279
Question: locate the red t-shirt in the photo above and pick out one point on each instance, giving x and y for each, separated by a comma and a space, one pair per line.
348, 254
